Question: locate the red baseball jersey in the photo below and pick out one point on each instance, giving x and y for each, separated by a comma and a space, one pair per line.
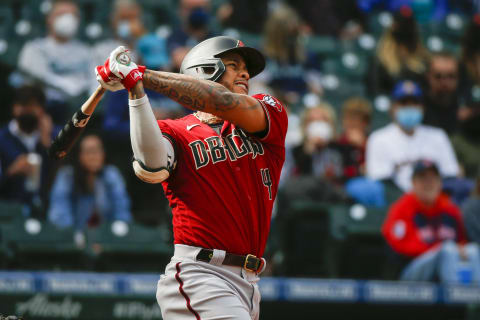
224, 185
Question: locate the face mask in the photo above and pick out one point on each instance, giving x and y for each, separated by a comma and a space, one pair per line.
66, 25
27, 122
123, 29
409, 117
320, 129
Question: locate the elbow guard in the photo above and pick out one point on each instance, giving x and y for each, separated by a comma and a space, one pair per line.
150, 175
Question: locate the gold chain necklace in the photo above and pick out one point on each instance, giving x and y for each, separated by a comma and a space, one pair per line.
211, 119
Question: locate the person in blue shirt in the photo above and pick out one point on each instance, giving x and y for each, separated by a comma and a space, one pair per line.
89, 192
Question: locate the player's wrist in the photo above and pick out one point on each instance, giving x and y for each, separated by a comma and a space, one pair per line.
133, 78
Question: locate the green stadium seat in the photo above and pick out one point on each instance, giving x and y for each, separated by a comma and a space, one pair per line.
378, 22
302, 235
323, 45
10, 211
35, 245
129, 247
349, 64
338, 89
360, 248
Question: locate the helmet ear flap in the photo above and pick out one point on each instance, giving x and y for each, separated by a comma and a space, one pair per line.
207, 69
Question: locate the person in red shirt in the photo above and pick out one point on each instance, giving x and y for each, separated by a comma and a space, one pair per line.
219, 168
425, 226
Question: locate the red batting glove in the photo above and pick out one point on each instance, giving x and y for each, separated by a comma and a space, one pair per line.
133, 77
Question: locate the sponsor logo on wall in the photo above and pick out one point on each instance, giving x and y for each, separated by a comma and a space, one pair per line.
40, 306
136, 310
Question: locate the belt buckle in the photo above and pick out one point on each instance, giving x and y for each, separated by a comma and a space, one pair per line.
251, 265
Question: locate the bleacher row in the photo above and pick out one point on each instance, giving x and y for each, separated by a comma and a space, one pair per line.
344, 63
30, 244
315, 240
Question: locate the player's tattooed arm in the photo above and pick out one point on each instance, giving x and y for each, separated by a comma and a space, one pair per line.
137, 91
208, 96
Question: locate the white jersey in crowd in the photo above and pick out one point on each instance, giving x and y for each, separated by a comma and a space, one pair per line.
391, 153
66, 67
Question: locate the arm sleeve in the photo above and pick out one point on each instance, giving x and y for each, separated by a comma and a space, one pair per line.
60, 211
277, 120
148, 144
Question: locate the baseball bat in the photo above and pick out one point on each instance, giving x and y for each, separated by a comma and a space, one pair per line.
67, 137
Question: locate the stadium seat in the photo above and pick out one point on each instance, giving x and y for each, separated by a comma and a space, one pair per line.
338, 89
378, 22
303, 241
35, 245
349, 64
323, 45
359, 245
10, 211
130, 247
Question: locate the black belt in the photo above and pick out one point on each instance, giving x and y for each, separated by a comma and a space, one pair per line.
248, 262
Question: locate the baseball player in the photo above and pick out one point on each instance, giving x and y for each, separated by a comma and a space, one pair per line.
219, 167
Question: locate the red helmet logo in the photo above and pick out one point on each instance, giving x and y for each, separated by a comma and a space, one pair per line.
240, 44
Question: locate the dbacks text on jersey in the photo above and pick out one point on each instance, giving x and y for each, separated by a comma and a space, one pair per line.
236, 145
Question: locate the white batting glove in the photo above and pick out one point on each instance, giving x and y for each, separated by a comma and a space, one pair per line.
108, 81
120, 64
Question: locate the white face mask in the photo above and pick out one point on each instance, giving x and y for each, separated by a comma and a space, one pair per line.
66, 25
320, 129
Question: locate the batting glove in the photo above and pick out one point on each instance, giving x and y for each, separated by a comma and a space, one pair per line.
107, 79
121, 65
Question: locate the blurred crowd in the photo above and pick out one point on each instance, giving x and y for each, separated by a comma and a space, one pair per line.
383, 100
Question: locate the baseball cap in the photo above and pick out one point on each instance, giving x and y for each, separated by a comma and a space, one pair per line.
424, 165
406, 88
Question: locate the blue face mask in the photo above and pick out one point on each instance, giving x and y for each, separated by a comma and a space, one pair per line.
409, 117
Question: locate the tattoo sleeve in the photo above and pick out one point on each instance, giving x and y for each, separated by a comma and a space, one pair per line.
137, 91
202, 95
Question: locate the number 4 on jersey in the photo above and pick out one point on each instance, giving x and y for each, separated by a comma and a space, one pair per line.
267, 180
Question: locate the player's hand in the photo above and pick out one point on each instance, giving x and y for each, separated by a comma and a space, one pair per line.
21, 166
121, 65
107, 79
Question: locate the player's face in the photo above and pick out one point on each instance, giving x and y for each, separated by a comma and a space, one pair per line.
235, 78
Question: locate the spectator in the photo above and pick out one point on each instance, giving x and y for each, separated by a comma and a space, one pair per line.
24, 165
393, 149
400, 54
356, 116
89, 192
317, 155
471, 213
59, 60
467, 140
193, 26
338, 18
427, 228
441, 95
291, 70
238, 14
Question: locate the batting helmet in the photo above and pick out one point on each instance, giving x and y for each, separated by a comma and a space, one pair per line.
203, 61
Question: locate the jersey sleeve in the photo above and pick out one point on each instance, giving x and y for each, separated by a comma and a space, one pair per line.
277, 120
168, 133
